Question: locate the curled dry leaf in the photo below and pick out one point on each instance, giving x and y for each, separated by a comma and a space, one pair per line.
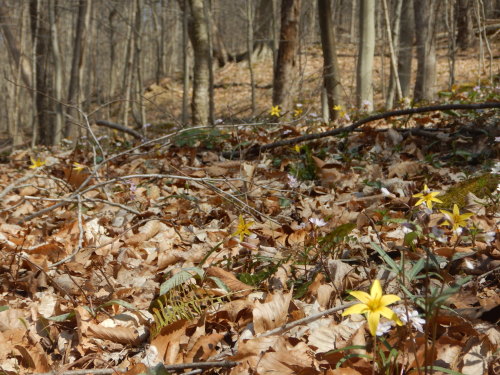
273, 313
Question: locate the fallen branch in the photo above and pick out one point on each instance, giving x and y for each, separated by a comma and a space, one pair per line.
400, 112
119, 127
181, 366
307, 319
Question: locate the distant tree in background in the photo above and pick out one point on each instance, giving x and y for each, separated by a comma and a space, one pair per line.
366, 48
425, 23
331, 72
285, 82
201, 70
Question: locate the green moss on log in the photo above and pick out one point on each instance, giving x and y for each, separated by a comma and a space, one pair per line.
480, 186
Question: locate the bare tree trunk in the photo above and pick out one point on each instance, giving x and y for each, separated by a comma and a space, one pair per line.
331, 72
364, 83
394, 78
201, 77
58, 75
12, 46
285, 73
449, 20
250, 20
211, 31
465, 32
128, 72
41, 34
112, 52
405, 56
77, 64
139, 62
263, 26
425, 23
185, 63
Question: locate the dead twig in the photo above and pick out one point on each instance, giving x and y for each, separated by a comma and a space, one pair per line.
307, 319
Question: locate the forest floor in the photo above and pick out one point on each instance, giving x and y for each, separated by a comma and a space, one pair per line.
233, 90
122, 256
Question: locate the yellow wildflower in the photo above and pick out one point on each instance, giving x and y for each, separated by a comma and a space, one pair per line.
454, 218
275, 111
427, 197
243, 228
78, 167
297, 112
36, 163
374, 305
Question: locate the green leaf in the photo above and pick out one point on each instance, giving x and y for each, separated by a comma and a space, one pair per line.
3, 308
62, 317
180, 278
386, 258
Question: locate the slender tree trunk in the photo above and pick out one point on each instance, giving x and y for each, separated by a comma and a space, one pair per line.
201, 77
112, 53
331, 72
12, 46
405, 55
425, 23
58, 75
465, 32
212, 31
77, 64
185, 63
250, 20
139, 62
394, 84
263, 26
41, 34
364, 84
285, 74
128, 72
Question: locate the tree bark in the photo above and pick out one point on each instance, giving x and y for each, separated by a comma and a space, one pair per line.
201, 79
285, 73
364, 83
77, 64
405, 55
41, 36
331, 72
425, 23
58, 75
394, 81
465, 31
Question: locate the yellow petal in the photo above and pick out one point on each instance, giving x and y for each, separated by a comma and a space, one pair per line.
376, 290
362, 296
373, 320
359, 308
389, 314
456, 210
388, 299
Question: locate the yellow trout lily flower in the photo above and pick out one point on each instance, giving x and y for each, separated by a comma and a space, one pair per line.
78, 167
454, 218
374, 305
36, 163
243, 228
275, 111
427, 197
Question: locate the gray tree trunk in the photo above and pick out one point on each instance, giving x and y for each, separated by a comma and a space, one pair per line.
331, 72
425, 23
405, 55
364, 83
285, 74
465, 32
394, 81
201, 76
77, 64
57, 127
41, 40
